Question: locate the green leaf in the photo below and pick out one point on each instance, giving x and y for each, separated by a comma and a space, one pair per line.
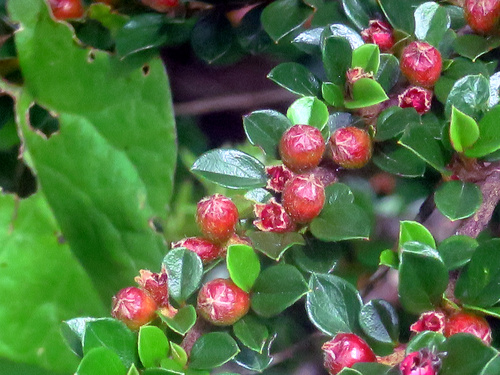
379, 321
494, 89
333, 94
492, 367
464, 130
251, 35
316, 256
213, 350
422, 277
413, 231
466, 355
418, 139
333, 305
336, 54
372, 368
243, 266
102, 361
469, 95
41, 284
73, 331
474, 46
357, 12
489, 135
456, 251
458, 200
389, 258
365, 93
153, 346
349, 371
308, 110
426, 339
388, 72
393, 121
277, 288
231, 168
185, 270
112, 334
109, 183
255, 361
178, 354
367, 57
431, 22
183, 321
401, 13
133, 370
265, 129
399, 161
274, 245
278, 26
341, 31
251, 332
479, 283
295, 78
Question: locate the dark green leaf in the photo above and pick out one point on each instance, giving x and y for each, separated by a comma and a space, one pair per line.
183, 321
479, 283
274, 245
379, 321
422, 277
316, 256
357, 12
253, 360
456, 251
413, 231
153, 346
458, 200
265, 128
464, 130
473, 46
73, 331
333, 305
295, 78
251, 34
251, 332
333, 94
338, 192
349, 371
399, 161
336, 53
426, 339
431, 22
489, 135
401, 13
231, 168
185, 270
388, 72
309, 41
470, 95
342, 31
102, 361
308, 110
393, 121
466, 355
367, 57
365, 93
278, 26
277, 288
213, 350
492, 367
243, 266
372, 368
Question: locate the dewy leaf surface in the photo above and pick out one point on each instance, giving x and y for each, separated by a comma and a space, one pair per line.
109, 169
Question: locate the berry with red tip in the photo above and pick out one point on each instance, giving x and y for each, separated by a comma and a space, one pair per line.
468, 323
416, 97
222, 303
423, 362
351, 147
278, 176
133, 306
206, 250
161, 5
379, 33
483, 15
301, 148
217, 217
66, 9
429, 321
156, 284
272, 217
344, 350
421, 63
303, 198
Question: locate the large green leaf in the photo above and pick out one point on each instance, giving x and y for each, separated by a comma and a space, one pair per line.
295, 78
152, 345
464, 131
243, 266
103, 361
251, 332
265, 128
274, 245
489, 135
456, 251
466, 355
282, 17
365, 93
109, 169
413, 231
470, 95
41, 284
212, 350
336, 53
458, 200
399, 161
185, 270
401, 13
431, 22
308, 110
379, 321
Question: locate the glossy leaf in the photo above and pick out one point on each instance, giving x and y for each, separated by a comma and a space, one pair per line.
295, 78
401, 13
333, 305
102, 361
316, 256
183, 321
73, 331
341, 31
278, 26
365, 93
426, 339
265, 129
458, 200
431, 22
466, 355
489, 135
464, 130
422, 277
357, 12
336, 54
308, 110
251, 332
456, 251
399, 161
277, 288
492, 367
388, 72
469, 95
231, 168
367, 57
243, 266
274, 245
153, 346
185, 270
474, 46
379, 321
213, 350
332, 94
494, 89
255, 361
413, 231
393, 121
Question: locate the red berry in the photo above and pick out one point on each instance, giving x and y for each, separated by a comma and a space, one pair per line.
301, 148
272, 217
423, 362
217, 217
66, 9
344, 350
379, 33
429, 321
351, 147
222, 303
468, 323
161, 5
134, 307
278, 176
206, 250
303, 198
156, 284
416, 97
482, 15
421, 63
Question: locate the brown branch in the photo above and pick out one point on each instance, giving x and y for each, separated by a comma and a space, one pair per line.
199, 328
